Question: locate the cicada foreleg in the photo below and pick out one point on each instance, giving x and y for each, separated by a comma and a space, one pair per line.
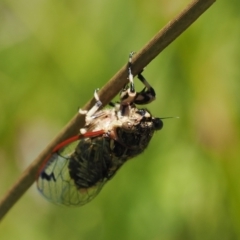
129, 95
147, 95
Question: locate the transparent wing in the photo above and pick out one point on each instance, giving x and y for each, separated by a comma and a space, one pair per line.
56, 184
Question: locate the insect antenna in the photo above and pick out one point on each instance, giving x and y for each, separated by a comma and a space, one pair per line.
168, 117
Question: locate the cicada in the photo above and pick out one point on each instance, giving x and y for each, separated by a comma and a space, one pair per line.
79, 167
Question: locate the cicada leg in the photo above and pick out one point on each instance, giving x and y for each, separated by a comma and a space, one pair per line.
129, 95
90, 113
147, 95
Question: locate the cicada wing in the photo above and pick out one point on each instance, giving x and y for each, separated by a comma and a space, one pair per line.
56, 184
54, 181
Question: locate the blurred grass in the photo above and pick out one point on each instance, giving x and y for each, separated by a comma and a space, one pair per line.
53, 54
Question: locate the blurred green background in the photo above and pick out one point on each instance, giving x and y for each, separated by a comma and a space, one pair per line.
186, 185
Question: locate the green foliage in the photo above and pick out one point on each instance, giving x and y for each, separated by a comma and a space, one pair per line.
186, 185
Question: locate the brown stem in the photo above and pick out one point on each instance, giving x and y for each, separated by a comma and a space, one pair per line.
160, 41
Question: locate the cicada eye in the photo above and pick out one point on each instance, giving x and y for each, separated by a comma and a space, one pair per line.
158, 123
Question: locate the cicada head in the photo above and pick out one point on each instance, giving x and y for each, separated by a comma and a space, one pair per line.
137, 129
